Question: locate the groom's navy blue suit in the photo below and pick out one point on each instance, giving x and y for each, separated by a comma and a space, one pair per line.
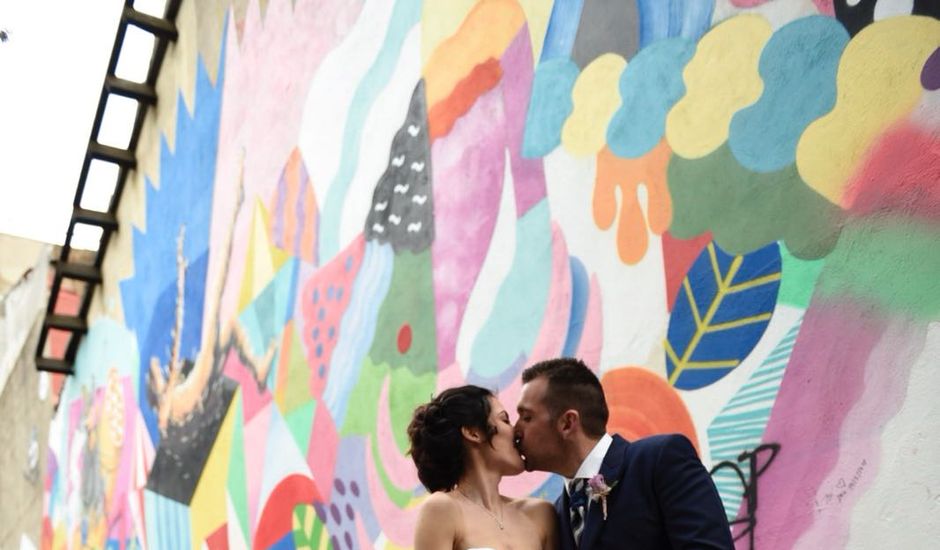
663, 498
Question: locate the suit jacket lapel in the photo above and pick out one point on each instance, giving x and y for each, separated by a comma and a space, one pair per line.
611, 469
566, 538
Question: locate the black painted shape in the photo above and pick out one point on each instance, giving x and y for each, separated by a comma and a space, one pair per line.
749, 483
402, 209
930, 8
606, 26
184, 450
857, 17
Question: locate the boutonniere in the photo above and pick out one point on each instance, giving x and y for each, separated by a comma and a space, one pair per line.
600, 490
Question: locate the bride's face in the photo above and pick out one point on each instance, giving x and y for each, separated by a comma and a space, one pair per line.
502, 450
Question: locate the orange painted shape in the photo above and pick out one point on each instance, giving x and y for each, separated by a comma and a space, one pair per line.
628, 174
642, 403
283, 365
309, 235
445, 113
486, 32
294, 182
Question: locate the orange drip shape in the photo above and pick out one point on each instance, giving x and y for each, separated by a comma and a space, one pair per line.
628, 174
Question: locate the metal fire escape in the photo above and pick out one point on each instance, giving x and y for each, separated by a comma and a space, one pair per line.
88, 274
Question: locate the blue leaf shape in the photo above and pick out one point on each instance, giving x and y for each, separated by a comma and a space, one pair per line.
720, 314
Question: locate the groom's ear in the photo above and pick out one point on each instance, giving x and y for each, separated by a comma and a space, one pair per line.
568, 421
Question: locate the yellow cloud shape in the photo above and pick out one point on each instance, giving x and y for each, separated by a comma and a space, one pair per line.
721, 78
878, 82
596, 96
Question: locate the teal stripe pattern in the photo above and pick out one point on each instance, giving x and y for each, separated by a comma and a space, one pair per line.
740, 425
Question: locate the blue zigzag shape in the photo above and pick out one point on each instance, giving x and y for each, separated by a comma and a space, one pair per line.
184, 200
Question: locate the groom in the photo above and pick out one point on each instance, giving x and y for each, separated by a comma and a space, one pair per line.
654, 492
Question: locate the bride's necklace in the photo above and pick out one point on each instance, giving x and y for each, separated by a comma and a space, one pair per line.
499, 522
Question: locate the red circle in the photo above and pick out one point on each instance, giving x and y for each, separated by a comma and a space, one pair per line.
404, 338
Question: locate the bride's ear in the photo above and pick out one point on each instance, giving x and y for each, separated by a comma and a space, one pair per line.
471, 434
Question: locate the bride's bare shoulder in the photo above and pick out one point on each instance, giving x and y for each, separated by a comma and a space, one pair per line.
537, 508
439, 503
437, 525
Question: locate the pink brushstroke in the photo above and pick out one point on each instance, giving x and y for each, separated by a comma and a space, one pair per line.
551, 338
592, 333
144, 455
362, 537
824, 6
321, 452
254, 398
449, 377
527, 174
887, 372
256, 434
400, 468
119, 518
824, 381
900, 174
267, 77
396, 523
468, 178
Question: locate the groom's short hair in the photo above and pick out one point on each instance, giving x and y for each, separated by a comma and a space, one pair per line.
572, 385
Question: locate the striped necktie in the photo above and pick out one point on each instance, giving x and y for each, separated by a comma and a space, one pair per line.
577, 498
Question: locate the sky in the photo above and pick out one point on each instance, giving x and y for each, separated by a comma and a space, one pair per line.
52, 68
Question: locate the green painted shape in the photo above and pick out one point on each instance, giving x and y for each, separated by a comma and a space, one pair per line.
746, 210
300, 423
297, 382
892, 262
364, 400
799, 279
401, 497
304, 539
410, 300
407, 391
237, 482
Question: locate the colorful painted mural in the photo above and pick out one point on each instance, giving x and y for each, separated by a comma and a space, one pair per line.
730, 208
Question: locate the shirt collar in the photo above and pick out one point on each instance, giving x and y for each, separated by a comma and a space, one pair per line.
592, 462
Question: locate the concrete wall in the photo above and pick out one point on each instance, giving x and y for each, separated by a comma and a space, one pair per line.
26, 404
730, 208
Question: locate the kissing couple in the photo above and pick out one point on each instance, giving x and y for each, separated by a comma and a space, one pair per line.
652, 493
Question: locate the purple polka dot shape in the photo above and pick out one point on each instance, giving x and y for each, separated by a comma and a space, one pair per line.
930, 75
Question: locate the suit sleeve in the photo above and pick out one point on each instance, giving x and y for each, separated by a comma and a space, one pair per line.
692, 512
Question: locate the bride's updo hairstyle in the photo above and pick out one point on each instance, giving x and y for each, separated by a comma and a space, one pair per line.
437, 446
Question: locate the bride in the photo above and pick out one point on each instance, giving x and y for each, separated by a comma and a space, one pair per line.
462, 446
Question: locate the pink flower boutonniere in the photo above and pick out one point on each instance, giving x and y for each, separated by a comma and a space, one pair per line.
600, 490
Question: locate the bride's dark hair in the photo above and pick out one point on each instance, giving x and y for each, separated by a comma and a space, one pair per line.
437, 446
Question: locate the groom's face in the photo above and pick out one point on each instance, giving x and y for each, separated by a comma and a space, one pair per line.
536, 435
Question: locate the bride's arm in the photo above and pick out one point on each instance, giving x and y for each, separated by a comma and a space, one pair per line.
437, 523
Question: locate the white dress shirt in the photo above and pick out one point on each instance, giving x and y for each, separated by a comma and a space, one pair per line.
591, 466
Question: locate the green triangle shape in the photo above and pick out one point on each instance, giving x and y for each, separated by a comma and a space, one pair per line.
297, 381
300, 424
237, 479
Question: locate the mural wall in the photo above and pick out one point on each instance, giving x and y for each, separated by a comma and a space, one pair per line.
729, 208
